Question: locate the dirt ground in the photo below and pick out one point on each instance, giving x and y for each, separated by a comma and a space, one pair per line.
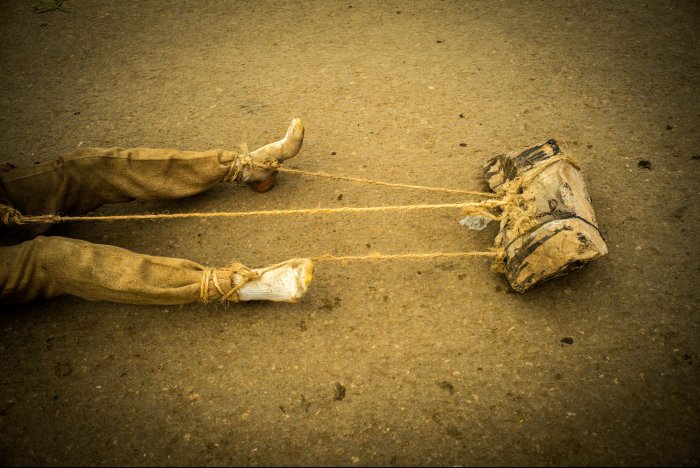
431, 362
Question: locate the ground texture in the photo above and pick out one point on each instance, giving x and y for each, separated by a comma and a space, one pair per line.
432, 362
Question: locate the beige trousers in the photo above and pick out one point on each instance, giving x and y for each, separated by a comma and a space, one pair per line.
81, 182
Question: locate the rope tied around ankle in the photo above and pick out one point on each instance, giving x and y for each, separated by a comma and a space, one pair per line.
209, 274
246, 275
244, 161
240, 162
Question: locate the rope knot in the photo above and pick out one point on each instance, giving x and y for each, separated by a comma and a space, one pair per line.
240, 162
517, 210
10, 215
499, 261
209, 274
272, 165
243, 162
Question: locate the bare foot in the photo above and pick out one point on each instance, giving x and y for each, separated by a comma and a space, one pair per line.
272, 153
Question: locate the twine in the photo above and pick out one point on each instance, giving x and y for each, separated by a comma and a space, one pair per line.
10, 215
240, 162
514, 207
379, 182
245, 273
409, 256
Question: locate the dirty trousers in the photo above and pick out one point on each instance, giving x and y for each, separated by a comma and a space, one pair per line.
81, 182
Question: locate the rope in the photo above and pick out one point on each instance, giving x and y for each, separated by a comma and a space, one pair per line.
240, 162
10, 215
411, 256
209, 274
245, 161
378, 182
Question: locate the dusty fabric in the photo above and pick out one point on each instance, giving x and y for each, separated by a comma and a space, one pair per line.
91, 177
81, 182
53, 266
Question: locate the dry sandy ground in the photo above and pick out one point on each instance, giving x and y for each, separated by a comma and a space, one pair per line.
428, 362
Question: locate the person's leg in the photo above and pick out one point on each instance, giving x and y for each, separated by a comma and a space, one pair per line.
47, 267
91, 177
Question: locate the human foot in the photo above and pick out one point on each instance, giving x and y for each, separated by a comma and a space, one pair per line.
283, 282
258, 167
286, 282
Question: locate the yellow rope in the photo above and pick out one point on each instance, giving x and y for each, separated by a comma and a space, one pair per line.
245, 273
379, 182
11, 216
413, 256
240, 162
244, 160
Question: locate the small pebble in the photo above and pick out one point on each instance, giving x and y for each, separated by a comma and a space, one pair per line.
339, 392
